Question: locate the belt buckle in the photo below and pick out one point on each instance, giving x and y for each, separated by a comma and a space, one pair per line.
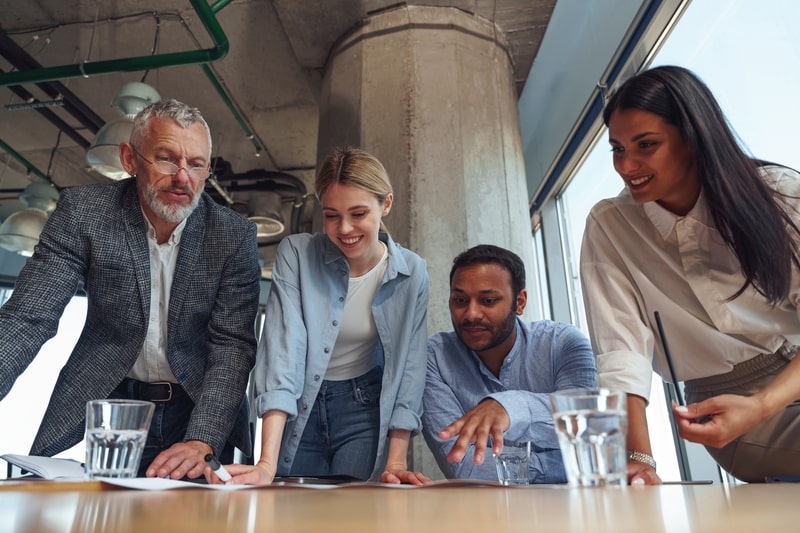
169, 387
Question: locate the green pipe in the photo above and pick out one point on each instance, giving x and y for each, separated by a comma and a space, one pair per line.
24, 162
225, 98
219, 5
224, 94
86, 69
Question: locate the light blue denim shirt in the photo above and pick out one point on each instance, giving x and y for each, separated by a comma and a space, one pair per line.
303, 316
547, 356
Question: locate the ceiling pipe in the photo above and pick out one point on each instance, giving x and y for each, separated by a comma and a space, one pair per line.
228, 102
24, 62
85, 69
29, 71
220, 4
24, 162
54, 119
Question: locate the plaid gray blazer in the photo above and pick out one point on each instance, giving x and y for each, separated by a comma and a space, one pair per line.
97, 237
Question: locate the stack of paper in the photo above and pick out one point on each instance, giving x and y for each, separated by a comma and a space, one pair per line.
46, 467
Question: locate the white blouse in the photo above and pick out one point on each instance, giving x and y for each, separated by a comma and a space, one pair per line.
641, 258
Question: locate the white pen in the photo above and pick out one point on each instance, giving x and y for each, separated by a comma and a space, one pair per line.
217, 468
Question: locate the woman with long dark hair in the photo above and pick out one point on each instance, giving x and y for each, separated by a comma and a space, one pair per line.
707, 236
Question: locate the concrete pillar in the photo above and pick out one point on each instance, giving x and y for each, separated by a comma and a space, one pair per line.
430, 92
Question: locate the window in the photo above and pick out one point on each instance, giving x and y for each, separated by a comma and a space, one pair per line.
22, 409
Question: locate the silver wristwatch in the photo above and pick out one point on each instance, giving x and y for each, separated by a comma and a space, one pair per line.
641, 457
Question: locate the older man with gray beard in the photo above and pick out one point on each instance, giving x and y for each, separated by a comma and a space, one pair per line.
172, 281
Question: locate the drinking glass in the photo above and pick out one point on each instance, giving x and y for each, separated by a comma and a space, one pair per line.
513, 463
591, 425
115, 434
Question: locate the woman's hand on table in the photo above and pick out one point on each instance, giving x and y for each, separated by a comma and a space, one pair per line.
642, 474
396, 474
261, 473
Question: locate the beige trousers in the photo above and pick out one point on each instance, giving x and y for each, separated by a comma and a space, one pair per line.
769, 449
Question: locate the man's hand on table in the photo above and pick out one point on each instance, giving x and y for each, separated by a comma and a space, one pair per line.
184, 459
486, 419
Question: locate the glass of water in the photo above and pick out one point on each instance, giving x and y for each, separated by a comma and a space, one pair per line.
115, 434
513, 463
592, 425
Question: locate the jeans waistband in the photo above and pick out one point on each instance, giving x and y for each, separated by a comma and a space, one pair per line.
371, 377
760, 365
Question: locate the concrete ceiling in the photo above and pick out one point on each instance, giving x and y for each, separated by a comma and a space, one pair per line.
271, 73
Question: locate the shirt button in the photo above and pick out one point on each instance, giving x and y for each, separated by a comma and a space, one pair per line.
335, 322
316, 378
305, 406
294, 434
341, 298
327, 350
285, 459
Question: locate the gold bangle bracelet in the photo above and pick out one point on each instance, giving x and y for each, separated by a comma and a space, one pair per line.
641, 457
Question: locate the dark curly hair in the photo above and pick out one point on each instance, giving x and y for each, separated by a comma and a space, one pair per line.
487, 253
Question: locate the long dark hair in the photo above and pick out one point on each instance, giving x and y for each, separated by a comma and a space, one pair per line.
750, 216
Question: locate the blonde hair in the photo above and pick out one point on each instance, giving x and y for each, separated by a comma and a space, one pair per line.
352, 166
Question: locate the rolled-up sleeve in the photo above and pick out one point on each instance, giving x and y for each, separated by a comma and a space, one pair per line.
621, 337
280, 362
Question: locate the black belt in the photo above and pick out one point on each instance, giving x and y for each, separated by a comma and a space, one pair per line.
152, 392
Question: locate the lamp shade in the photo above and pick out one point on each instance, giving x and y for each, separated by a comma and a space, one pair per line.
40, 195
20, 231
264, 208
133, 97
103, 154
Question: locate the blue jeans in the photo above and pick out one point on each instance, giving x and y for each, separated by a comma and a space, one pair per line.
341, 435
168, 427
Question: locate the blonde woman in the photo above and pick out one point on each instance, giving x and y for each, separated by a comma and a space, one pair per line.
341, 362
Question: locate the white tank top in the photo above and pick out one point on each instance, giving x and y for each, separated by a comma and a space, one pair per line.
355, 345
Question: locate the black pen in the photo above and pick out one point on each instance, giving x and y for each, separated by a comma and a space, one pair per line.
217, 468
669, 359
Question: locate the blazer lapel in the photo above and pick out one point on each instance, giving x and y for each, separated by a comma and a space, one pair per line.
136, 233
191, 245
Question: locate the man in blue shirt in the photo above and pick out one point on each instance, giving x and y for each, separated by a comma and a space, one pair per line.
491, 377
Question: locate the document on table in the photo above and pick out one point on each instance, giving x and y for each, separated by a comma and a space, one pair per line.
157, 483
46, 467
141, 483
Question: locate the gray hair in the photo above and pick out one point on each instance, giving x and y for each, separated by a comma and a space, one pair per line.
171, 109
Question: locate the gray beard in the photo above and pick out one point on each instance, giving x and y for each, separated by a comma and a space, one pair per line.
167, 212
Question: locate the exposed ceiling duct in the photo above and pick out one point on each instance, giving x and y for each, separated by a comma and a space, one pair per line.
253, 69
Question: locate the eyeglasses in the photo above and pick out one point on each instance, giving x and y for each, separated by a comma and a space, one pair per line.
196, 171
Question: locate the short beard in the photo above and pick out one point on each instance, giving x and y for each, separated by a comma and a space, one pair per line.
167, 212
500, 334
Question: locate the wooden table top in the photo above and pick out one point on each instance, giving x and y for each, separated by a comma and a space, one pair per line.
92, 506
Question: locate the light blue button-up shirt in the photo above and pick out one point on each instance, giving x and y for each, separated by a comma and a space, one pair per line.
547, 356
303, 317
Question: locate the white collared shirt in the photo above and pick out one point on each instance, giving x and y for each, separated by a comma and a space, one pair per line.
152, 365
641, 258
